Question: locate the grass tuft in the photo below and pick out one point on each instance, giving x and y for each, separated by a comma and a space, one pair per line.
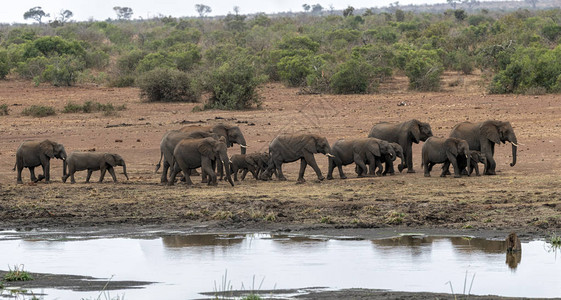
91, 107
555, 240
4, 109
39, 111
17, 274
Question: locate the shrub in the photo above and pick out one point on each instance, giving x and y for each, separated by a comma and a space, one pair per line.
32, 68
153, 61
38, 111
293, 70
4, 64
90, 106
355, 76
17, 274
168, 85
96, 59
127, 64
62, 70
122, 81
53, 46
234, 84
424, 70
4, 109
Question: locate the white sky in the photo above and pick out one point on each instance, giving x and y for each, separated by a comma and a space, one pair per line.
12, 11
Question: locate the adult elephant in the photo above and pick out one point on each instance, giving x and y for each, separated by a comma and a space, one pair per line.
232, 134
194, 153
444, 150
483, 137
405, 134
31, 154
360, 151
287, 148
93, 161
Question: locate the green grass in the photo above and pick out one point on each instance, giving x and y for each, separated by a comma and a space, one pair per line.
555, 240
4, 110
17, 274
39, 111
92, 107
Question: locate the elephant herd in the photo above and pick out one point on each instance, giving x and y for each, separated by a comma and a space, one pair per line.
189, 148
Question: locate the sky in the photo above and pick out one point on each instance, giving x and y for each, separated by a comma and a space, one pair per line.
12, 11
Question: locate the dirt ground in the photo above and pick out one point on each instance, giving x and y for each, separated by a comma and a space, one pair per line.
525, 198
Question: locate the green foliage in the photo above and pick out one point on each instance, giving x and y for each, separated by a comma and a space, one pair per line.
32, 68
17, 274
96, 59
252, 297
53, 46
234, 84
294, 70
355, 76
424, 70
168, 85
127, 64
4, 64
153, 61
63, 70
299, 43
38, 111
90, 107
4, 109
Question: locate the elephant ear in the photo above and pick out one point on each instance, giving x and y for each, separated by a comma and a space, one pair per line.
47, 148
491, 132
206, 147
222, 130
110, 159
415, 131
452, 146
250, 161
375, 149
310, 144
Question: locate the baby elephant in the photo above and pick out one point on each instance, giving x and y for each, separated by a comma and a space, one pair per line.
444, 150
253, 162
476, 157
93, 161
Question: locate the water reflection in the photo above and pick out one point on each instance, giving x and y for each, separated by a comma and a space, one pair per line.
199, 240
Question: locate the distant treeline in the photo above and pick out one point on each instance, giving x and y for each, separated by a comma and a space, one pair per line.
175, 59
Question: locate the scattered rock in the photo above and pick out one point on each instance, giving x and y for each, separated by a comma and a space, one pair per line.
118, 141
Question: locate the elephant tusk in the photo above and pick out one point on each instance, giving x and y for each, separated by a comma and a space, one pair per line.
244, 146
516, 145
330, 155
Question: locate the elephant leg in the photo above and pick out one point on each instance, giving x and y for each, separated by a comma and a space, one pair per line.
303, 165
278, 166
361, 166
90, 171
428, 167
207, 167
102, 174
112, 172
331, 166
445, 168
491, 164
20, 169
409, 157
164, 177
453, 160
32, 176
389, 166
376, 165
173, 173
309, 157
235, 171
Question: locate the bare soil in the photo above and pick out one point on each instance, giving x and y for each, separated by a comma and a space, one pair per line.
525, 198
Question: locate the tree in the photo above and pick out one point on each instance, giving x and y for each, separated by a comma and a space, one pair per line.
460, 14
533, 2
348, 11
471, 3
123, 13
65, 15
317, 9
36, 13
453, 3
306, 7
203, 10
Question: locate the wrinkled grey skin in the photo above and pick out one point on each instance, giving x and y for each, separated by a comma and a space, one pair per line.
232, 134
94, 161
287, 148
194, 153
483, 137
444, 150
31, 154
389, 160
253, 162
476, 157
360, 151
405, 134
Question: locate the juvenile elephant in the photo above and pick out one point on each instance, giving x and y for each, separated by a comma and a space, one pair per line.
253, 162
405, 134
194, 153
389, 160
483, 137
287, 148
360, 151
31, 154
444, 150
94, 161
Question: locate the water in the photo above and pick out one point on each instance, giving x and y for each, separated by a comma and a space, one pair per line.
185, 265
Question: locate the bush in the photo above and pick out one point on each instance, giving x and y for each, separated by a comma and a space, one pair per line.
153, 61
355, 76
53, 46
234, 84
62, 70
96, 59
4, 110
90, 106
424, 70
4, 64
38, 111
126, 64
293, 70
32, 68
168, 85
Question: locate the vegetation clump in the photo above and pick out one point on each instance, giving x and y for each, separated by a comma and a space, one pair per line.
17, 274
39, 111
91, 107
168, 85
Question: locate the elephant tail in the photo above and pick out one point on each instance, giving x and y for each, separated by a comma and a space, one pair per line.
159, 162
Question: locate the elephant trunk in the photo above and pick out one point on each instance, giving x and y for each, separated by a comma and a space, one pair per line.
64, 164
514, 147
125, 171
243, 147
226, 162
